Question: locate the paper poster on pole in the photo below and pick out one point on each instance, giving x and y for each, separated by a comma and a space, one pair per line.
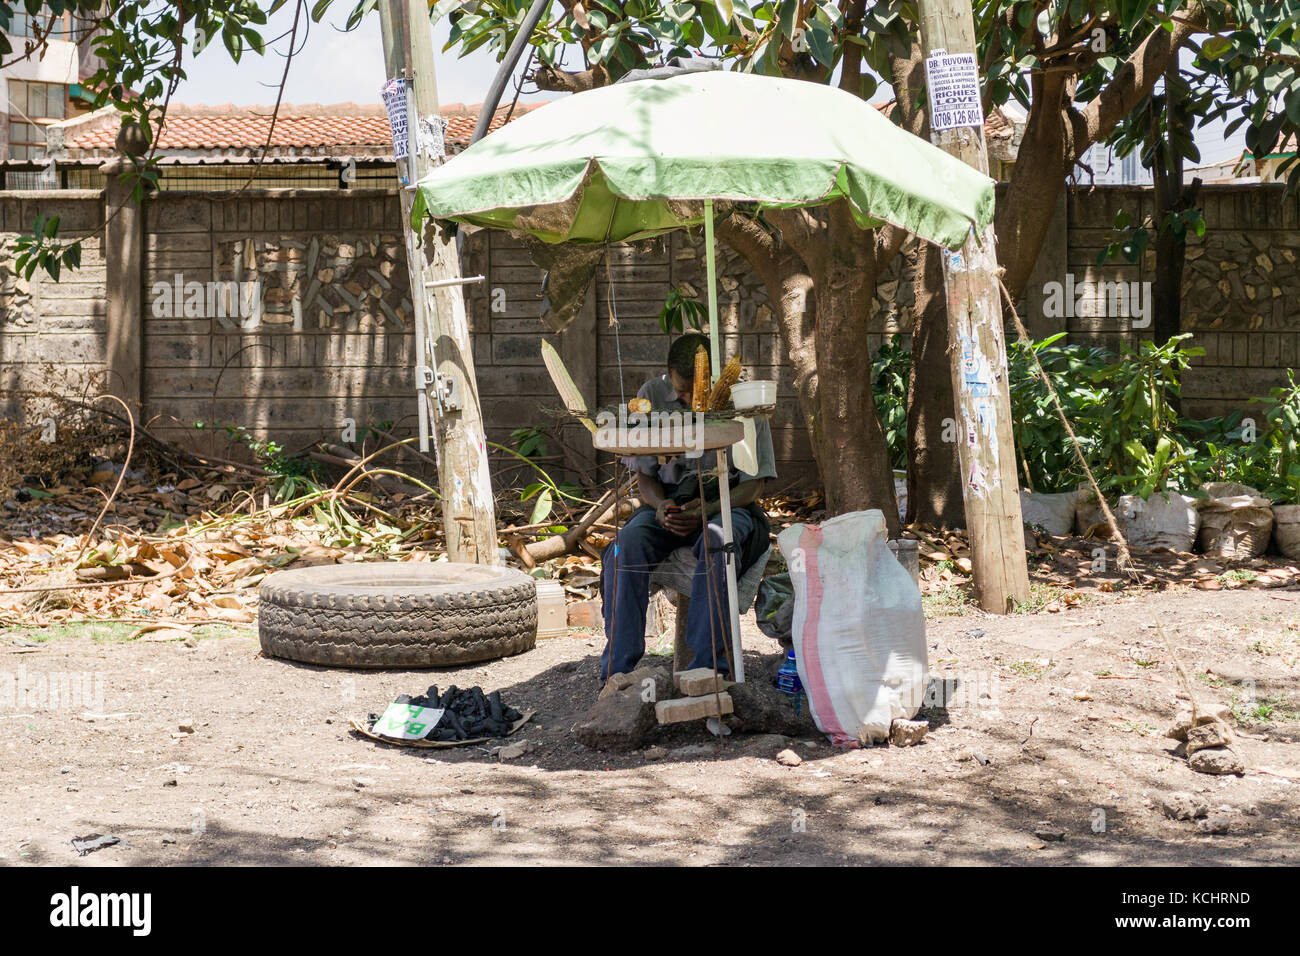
394, 94
953, 82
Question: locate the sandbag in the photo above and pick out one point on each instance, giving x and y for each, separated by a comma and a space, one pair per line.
1165, 520
858, 628
1236, 522
1286, 530
1053, 513
900, 493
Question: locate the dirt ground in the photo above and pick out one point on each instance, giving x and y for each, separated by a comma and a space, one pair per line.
1068, 738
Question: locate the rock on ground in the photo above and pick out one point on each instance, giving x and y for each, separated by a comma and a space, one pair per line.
1181, 805
905, 733
764, 709
636, 679
513, 751
621, 718
1218, 760
1213, 734
788, 758
1183, 722
1216, 823
765, 743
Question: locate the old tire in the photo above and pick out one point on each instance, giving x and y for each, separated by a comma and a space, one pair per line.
397, 614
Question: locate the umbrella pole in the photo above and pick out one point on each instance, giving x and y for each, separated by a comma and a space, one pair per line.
724, 485
711, 271
733, 602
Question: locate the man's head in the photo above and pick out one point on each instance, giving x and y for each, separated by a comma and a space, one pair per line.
681, 363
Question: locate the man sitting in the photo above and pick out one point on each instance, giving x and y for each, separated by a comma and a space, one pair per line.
669, 518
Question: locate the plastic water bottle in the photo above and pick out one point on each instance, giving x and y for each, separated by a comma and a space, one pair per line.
787, 678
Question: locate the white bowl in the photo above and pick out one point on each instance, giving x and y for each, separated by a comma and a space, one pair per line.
754, 394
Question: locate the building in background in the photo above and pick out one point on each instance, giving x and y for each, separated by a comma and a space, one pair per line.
1101, 166
1267, 168
201, 148
41, 89
1224, 171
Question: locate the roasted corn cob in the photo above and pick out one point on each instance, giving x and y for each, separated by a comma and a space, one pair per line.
721, 393
700, 393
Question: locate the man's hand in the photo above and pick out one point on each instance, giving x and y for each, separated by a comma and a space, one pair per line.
680, 521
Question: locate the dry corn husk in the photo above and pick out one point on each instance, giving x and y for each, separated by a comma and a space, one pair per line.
721, 392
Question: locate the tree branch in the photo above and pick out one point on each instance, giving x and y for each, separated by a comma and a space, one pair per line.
1136, 78
569, 81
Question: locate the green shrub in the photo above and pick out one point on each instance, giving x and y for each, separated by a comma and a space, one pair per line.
890, 371
1046, 454
1139, 448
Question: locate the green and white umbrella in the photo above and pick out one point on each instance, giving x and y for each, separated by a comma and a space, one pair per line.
636, 159
641, 158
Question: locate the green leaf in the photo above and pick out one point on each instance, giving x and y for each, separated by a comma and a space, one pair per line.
1215, 47
601, 50
821, 42
542, 509
788, 17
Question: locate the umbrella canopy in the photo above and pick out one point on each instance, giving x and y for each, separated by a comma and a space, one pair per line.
637, 159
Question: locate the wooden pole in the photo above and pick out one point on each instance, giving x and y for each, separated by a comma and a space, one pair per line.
448, 390
986, 447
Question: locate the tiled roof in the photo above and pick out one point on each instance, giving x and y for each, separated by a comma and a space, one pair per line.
335, 128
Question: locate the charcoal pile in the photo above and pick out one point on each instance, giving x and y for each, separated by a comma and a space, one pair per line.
468, 713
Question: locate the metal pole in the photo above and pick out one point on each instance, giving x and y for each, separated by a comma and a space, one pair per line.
733, 602
712, 273
724, 473
507, 67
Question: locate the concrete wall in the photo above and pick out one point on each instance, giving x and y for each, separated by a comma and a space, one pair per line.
1241, 287
335, 343
332, 343
52, 334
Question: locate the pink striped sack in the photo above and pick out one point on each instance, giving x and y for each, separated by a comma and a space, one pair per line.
859, 632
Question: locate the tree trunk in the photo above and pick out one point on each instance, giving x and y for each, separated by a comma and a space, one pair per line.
848, 431
789, 288
933, 470
933, 473
1043, 162
1171, 197
1167, 288
822, 277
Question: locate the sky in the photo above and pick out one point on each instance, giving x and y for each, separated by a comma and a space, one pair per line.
338, 67
332, 67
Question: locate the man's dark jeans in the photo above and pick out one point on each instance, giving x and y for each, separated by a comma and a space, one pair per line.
625, 589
